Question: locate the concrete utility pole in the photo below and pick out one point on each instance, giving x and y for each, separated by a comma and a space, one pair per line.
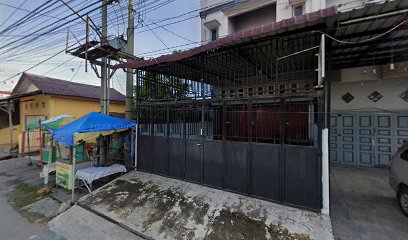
104, 69
104, 76
130, 50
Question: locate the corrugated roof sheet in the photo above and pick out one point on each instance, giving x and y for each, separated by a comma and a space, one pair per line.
60, 87
265, 30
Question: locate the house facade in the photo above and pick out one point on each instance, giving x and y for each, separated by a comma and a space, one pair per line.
38, 97
252, 112
220, 18
369, 103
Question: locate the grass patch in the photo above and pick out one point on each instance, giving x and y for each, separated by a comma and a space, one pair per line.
24, 195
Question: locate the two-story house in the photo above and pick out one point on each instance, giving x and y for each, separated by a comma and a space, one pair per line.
251, 109
369, 102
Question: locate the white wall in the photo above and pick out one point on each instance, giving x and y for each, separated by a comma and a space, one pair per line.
224, 29
231, 22
225, 18
361, 85
284, 7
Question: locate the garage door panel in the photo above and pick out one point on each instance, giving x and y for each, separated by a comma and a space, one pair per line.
366, 139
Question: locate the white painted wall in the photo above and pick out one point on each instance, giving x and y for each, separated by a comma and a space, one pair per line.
284, 7
25, 86
224, 29
361, 85
283, 11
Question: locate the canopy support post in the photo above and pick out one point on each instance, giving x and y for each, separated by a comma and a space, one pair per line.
73, 175
10, 119
49, 163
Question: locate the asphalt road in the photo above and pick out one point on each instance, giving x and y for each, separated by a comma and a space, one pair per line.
12, 225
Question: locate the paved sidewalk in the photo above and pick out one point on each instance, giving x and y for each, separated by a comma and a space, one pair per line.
78, 223
12, 224
364, 206
4, 154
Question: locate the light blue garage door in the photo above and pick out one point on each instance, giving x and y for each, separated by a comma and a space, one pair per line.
368, 139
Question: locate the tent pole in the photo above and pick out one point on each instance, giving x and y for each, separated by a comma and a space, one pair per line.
41, 145
73, 174
49, 163
28, 145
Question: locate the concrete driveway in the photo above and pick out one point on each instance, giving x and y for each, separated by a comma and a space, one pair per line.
165, 208
363, 206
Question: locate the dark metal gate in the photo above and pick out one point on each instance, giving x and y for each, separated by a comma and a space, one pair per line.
286, 174
245, 118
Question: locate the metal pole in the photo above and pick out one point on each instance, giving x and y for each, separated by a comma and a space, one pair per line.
137, 118
130, 50
41, 144
73, 175
49, 163
10, 124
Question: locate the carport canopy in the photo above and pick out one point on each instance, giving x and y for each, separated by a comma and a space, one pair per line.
373, 35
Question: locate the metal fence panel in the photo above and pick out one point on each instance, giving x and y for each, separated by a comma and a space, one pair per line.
145, 156
161, 155
213, 163
301, 177
193, 160
265, 171
236, 178
177, 154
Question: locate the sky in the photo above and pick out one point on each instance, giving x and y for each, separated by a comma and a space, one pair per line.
161, 27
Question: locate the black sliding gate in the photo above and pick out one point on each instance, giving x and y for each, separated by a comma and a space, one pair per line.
246, 118
288, 174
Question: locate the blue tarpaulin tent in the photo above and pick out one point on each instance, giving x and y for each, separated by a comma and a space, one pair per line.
88, 127
94, 122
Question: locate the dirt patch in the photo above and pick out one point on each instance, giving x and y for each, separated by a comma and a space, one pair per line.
23, 195
237, 225
184, 217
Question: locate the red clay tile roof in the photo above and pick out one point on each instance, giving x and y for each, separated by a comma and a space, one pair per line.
238, 37
60, 87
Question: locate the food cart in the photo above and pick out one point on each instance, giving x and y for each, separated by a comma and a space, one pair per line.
85, 129
48, 152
